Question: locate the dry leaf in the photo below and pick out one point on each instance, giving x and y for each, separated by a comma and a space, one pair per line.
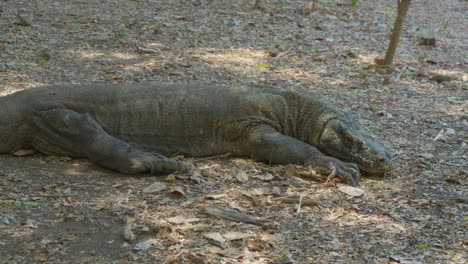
379, 61
196, 228
215, 196
155, 187
216, 239
31, 223
266, 177
24, 152
128, 234
349, 190
232, 215
182, 219
242, 176
177, 192
234, 236
171, 178
145, 245
426, 155
41, 257
290, 171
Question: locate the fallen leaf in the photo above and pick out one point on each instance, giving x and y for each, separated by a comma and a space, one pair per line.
177, 192
234, 235
145, 245
31, 223
232, 215
5, 220
195, 228
379, 61
182, 219
155, 187
98, 207
216, 239
242, 176
266, 177
147, 50
290, 171
171, 178
423, 246
349, 190
30, 204
215, 196
196, 176
24, 152
128, 234
117, 185
426, 155
41, 257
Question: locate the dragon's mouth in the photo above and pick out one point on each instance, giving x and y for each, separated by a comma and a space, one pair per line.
377, 167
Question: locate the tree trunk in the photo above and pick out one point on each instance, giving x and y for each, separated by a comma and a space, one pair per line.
257, 5
403, 6
313, 6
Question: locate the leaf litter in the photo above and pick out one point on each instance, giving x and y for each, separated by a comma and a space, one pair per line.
416, 214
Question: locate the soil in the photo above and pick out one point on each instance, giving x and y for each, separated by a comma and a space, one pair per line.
60, 210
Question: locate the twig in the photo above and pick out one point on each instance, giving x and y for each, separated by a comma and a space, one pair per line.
233, 216
311, 175
386, 212
441, 133
298, 212
332, 173
53, 195
293, 200
213, 157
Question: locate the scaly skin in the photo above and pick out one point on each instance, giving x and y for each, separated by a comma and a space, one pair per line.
129, 127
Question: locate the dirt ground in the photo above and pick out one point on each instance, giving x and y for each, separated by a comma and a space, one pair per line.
60, 210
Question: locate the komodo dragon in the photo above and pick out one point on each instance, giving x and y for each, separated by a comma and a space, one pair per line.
130, 128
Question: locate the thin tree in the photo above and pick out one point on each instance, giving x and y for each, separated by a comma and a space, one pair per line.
313, 6
257, 5
402, 10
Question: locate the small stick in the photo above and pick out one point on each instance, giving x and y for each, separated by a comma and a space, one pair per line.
233, 216
292, 200
213, 157
332, 173
298, 212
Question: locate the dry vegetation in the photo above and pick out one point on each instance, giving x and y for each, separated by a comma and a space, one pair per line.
69, 211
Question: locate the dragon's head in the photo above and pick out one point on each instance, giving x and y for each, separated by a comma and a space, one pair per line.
346, 139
